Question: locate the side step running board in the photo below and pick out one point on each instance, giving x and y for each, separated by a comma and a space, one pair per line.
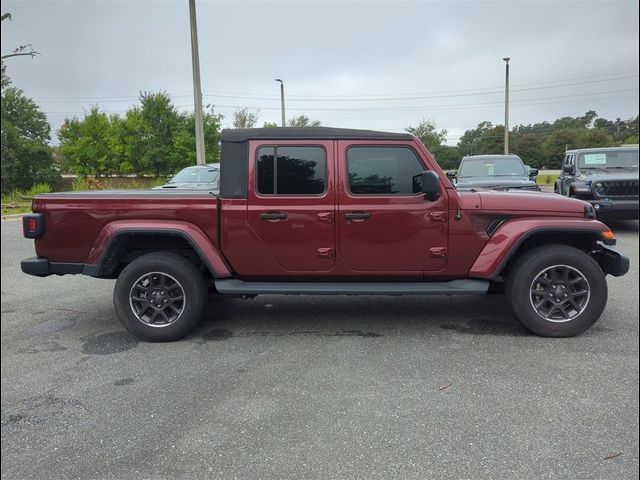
454, 287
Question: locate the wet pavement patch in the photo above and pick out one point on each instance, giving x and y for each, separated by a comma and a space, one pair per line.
488, 327
124, 381
109, 343
224, 334
217, 335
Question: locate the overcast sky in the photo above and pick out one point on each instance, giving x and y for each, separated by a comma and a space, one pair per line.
380, 65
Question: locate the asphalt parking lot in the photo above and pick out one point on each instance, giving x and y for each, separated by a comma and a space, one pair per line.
313, 387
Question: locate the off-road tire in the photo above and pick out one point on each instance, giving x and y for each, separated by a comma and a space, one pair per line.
163, 277
528, 286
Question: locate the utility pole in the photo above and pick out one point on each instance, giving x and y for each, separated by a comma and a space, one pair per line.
197, 89
284, 121
506, 107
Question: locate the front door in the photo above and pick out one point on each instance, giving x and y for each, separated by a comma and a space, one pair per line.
385, 223
291, 203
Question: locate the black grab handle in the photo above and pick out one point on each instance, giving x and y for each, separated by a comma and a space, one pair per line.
273, 216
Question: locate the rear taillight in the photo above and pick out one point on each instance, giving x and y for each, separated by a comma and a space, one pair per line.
33, 225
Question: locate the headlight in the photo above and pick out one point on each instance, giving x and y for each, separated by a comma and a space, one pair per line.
599, 188
581, 188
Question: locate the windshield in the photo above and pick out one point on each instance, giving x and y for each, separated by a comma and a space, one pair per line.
196, 175
612, 159
491, 167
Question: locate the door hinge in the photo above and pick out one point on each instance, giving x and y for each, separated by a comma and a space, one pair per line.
438, 252
326, 217
325, 252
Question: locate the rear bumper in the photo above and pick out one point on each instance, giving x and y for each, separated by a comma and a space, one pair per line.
616, 209
613, 261
41, 267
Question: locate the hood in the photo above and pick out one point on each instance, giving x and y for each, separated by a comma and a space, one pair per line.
608, 176
547, 204
496, 182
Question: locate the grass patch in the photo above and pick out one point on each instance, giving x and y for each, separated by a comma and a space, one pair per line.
548, 180
14, 210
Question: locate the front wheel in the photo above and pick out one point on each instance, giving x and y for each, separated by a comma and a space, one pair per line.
556, 290
160, 296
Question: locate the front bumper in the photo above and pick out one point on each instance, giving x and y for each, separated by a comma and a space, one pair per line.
616, 209
41, 267
613, 261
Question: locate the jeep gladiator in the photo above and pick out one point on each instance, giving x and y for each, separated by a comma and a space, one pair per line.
327, 211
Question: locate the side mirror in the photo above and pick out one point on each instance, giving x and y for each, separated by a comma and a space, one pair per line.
431, 184
533, 172
452, 175
568, 169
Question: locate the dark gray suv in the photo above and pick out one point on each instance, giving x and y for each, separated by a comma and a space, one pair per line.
607, 178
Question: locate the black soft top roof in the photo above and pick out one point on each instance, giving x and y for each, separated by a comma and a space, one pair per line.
303, 133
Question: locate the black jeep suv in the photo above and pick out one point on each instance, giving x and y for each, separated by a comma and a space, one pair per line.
607, 178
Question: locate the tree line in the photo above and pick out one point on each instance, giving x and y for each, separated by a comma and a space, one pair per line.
540, 145
154, 138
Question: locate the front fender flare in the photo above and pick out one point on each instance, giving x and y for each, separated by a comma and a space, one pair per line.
202, 245
506, 240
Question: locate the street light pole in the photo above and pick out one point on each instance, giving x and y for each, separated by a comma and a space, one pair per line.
506, 107
284, 121
197, 89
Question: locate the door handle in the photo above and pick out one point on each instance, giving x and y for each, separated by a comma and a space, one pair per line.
357, 216
270, 216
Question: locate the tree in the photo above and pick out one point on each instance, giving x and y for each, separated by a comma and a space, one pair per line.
269, 125
87, 145
426, 132
243, 118
303, 121
22, 50
184, 153
485, 139
26, 158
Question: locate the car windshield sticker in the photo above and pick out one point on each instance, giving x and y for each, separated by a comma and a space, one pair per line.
595, 159
490, 168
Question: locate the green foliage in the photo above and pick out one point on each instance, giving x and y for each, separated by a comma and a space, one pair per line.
303, 121
426, 132
269, 125
546, 179
152, 138
243, 118
38, 188
26, 157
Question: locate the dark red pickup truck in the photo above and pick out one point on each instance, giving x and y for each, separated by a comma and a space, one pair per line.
328, 211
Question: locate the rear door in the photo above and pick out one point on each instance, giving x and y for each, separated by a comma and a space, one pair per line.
385, 223
291, 204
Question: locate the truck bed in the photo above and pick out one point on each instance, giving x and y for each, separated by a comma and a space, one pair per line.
74, 220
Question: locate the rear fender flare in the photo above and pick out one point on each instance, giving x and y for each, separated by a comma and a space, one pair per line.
193, 235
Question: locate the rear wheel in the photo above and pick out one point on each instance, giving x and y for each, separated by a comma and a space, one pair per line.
556, 290
160, 296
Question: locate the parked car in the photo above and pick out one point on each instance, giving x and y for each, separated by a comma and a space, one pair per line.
327, 211
607, 178
496, 172
198, 177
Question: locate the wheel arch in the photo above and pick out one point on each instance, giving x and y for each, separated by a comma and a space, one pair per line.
119, 244
495, 259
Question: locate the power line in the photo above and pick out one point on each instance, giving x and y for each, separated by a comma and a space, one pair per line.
373, 97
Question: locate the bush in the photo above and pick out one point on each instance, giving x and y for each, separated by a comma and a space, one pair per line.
37, 189
82, 184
